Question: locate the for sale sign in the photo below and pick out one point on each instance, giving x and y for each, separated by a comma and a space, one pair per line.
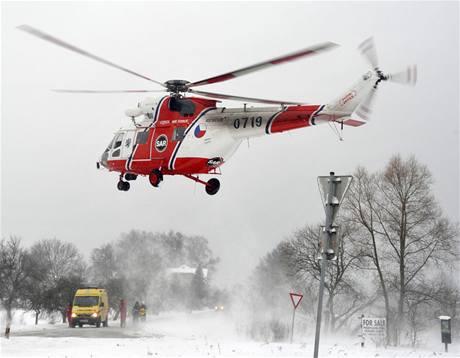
373, 327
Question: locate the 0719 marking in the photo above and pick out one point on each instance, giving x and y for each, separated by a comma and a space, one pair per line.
244, 122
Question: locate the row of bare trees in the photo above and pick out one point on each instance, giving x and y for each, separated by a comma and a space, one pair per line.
41, 278
397, 255
44, 277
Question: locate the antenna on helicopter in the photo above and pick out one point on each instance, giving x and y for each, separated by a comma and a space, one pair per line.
132, 113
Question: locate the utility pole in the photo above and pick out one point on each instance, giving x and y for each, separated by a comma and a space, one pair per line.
333, 189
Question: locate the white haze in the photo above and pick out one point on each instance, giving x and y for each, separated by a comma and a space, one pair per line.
51, 142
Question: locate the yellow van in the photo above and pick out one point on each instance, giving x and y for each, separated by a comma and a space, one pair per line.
90, 306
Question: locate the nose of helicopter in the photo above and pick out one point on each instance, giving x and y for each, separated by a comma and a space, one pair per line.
103, 160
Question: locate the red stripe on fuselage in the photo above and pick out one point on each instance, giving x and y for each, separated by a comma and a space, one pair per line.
293, 117
146, 157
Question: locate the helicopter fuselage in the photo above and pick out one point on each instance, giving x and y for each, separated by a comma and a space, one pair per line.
200, 142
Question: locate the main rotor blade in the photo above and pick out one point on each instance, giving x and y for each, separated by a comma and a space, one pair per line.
313, 50
104, 91
368, 50
44, 36
239, 98
408, 76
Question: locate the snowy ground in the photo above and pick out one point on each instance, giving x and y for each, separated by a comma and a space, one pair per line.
200, 334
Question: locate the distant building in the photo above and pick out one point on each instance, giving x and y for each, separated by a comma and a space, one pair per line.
181, 289
185, 271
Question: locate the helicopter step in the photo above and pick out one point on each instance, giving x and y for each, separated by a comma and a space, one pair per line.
130, 176
212, 186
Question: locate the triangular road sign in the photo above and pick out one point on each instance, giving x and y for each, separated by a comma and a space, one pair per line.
341, 186
296, 298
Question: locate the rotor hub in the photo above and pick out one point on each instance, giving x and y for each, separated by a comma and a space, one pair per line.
380, 77
177, 86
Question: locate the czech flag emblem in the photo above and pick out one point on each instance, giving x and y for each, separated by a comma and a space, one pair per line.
200, 131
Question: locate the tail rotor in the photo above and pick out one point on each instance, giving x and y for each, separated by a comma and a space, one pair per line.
368, 50
407, 77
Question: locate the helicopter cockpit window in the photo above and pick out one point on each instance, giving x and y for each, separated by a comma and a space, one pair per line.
109, 147
142, 137
118, 140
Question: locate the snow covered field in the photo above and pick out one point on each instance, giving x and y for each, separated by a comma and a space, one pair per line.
200, 334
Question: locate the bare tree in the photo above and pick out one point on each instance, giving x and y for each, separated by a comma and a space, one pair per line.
412, 223
65, 272
104, 263
359, 209
199, 289
429, 297
13, 275
35, 287
406, 230
107, 272
345, 295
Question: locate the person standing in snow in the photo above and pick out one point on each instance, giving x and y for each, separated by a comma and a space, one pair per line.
68, 313
136, 311
123, 311
143, 311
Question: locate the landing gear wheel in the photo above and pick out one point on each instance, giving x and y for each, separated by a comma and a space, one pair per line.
155, 177
123, 185
212, 186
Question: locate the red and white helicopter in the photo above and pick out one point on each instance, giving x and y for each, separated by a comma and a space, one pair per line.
179, 135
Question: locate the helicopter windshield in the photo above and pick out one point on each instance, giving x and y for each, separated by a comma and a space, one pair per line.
109, 146
116, 144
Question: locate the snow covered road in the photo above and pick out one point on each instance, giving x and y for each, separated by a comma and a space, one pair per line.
200, 334
85, 332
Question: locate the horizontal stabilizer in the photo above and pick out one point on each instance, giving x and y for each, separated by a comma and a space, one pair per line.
352, 122
336, 117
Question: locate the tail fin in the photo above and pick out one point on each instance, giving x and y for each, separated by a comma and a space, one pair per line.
342, 108
347, 103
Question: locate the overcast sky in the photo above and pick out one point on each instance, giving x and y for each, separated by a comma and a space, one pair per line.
51, 141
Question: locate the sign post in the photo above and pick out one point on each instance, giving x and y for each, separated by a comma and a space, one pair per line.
295, 299
362, 333
446, 336
332, 189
